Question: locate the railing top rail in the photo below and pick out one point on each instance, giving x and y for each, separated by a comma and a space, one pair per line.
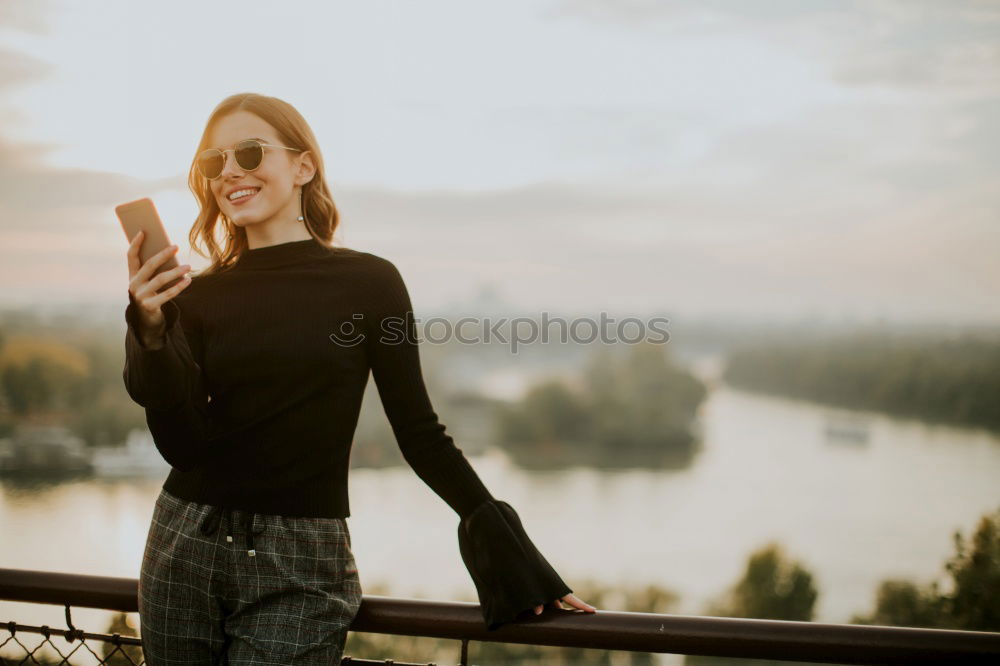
609, 630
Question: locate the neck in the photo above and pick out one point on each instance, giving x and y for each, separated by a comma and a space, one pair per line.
282, 255
271, 234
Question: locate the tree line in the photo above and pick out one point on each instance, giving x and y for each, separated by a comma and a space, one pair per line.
953, 380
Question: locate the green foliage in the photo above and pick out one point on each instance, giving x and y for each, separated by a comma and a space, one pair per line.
772, 587
949, 380
549, 412
630, 409
70, 376
902, 603
38, 374
973, 600
974, 603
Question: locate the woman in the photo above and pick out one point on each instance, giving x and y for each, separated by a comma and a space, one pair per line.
252, 375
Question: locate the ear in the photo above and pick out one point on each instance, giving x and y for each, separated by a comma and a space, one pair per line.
306, 168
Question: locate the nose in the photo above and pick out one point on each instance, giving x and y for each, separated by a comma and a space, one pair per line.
230, 168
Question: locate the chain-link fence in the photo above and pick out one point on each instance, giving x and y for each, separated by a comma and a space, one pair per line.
27, 644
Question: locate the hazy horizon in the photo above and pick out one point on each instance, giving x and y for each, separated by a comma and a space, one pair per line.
835, 161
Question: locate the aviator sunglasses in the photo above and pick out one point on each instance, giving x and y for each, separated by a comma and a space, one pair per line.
249, 153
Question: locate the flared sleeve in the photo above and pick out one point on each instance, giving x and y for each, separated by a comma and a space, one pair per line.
509, 573
511, 576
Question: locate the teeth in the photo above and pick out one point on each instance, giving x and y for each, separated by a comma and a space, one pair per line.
240, 193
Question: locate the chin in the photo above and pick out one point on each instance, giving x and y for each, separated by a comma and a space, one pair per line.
245, 222
245, 218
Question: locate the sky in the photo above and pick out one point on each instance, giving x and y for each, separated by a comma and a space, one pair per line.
774, 159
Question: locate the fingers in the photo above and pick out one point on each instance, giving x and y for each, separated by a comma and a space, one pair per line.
154, 285
133, 253
572, 600
538, 609
159, 299
579, 603
147, 270
142, 276
145, 292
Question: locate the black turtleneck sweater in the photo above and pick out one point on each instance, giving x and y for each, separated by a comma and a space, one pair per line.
254, 398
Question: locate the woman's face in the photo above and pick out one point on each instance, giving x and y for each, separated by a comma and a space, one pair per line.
276, 199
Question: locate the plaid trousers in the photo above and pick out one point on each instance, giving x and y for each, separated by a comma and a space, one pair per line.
209, 595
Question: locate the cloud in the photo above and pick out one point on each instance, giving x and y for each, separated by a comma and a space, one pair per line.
54, 222
33, 194
944, 47
29, 189
756, 180
903, 44
25, 15
18, 68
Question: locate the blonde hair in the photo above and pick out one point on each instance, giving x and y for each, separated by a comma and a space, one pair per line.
318, 208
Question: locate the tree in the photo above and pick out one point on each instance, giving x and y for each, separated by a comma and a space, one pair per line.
772, 587
974, 603
973, 600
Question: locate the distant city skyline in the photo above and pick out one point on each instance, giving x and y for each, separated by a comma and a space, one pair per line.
787, 160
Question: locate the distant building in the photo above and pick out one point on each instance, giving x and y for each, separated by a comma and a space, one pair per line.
139, 457
43, 449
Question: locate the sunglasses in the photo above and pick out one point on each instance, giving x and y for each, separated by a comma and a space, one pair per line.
249, 153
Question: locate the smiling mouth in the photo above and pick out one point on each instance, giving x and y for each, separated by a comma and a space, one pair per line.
245, 197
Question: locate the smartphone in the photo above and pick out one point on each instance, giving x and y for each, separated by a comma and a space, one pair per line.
141, 215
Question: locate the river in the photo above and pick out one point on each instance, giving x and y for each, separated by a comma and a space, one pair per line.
852, 513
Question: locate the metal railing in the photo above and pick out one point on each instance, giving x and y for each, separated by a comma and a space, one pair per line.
608, 630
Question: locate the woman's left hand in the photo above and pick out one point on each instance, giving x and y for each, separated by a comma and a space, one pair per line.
572, 600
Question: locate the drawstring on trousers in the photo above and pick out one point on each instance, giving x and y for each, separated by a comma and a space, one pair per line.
214, 517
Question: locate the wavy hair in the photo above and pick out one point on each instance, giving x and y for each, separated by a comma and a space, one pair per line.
318, 208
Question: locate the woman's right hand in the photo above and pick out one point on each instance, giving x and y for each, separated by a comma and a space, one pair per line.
143, 286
